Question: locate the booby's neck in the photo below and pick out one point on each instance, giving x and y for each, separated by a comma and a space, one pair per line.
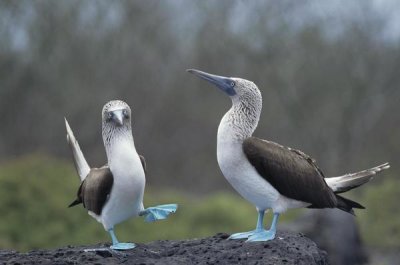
241, 120
119, 145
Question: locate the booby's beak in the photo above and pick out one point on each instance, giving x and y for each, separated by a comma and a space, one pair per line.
226, 84
118, 117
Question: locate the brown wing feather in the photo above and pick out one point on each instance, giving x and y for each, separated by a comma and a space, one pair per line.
293, 173
95, 189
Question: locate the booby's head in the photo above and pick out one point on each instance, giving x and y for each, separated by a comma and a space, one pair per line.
246, 100
116, 120
238, 89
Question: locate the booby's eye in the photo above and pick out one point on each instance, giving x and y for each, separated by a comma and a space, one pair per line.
232, 84
125, 113
110, 115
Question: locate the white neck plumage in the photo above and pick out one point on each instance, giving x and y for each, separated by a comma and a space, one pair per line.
119, 144
240, 121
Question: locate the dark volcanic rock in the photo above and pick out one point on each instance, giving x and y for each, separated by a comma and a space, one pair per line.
287, 248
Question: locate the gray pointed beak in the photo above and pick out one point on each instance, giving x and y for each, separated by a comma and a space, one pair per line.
226, 84
118, 117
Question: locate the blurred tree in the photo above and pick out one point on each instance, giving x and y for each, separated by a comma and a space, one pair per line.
328, 73
326, 85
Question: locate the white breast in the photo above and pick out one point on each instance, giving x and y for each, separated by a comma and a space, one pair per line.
126, 198
243, 176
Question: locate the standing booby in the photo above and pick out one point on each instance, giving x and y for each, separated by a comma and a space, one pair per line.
114, 192
267, 174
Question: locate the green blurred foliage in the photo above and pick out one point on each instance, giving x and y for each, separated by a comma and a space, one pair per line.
380, 223
36, 189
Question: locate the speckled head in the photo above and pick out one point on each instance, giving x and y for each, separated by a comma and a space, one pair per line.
116, 116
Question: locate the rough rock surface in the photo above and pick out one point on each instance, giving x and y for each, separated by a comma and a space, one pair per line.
287, 248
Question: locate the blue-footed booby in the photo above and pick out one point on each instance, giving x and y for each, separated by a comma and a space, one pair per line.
267, 174
114, 192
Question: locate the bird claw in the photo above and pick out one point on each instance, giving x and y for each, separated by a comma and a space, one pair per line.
158, 212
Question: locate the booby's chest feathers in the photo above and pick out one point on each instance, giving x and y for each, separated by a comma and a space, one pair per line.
240, 173
123, 159
125, 165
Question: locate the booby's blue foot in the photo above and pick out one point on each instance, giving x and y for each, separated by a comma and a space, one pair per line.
259, 234
158, 212
259, 228
122, 246
262, 236
116, 245
265, 235
245, 234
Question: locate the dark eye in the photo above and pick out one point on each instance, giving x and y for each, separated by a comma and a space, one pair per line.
232, 84
125, 113
110, 115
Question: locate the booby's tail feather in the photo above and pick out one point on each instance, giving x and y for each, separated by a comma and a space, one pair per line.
347, 205
81, 165
158, 212
353, 180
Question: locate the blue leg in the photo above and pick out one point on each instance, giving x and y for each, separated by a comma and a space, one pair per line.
158, 212
259, 228
117, 245
266, 235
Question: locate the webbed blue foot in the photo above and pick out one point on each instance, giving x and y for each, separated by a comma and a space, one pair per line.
116, 245
258, 229
122, 246
264, 235
259, 234
158, 212
244, 234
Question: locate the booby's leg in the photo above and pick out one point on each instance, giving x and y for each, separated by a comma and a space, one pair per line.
117, 245
158, 212
266, 234
259, 228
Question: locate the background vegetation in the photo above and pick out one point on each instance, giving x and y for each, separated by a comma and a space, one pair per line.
36, 189
328, 72
35, 215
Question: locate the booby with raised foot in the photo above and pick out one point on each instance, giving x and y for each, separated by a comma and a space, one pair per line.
267, 174
114, 192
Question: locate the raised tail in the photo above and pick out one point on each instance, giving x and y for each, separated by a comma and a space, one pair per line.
81, 165
353, 180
